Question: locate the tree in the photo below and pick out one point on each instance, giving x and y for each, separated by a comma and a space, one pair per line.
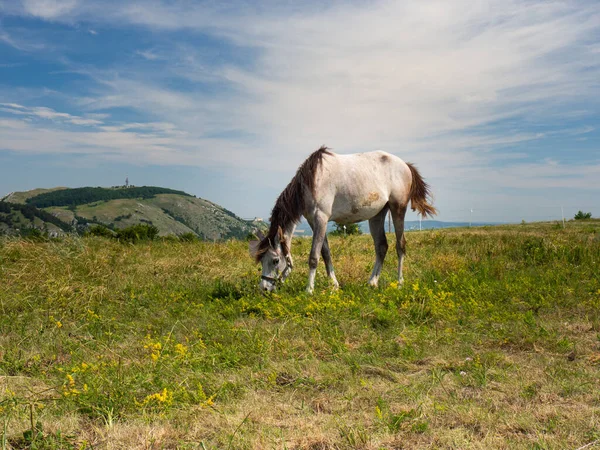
345, 230
581, 215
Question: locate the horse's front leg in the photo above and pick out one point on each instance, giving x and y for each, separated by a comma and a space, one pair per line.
326, 254
319, 227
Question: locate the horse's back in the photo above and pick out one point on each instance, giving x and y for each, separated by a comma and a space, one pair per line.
356, 187
365, 171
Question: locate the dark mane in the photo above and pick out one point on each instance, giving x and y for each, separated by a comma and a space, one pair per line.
290, 203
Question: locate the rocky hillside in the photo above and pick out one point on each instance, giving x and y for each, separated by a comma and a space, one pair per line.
172, 212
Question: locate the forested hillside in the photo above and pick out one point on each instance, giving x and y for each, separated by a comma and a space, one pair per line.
85, 195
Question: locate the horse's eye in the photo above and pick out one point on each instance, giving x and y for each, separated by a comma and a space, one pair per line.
275, 260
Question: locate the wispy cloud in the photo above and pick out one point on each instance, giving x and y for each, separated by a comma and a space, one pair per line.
49, 9
385, 73
149, 55
449, 85
20, 43
42, 112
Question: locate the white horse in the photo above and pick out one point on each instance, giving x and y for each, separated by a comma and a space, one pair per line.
345, 189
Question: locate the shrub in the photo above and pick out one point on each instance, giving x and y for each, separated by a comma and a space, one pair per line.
136, 233
188, 237
351, 228
581, 215
34, 234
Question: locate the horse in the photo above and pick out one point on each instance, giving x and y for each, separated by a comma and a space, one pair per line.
344, 189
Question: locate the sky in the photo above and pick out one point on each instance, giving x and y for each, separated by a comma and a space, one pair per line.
496, 102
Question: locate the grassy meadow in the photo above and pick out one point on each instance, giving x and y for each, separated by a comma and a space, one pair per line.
493, 342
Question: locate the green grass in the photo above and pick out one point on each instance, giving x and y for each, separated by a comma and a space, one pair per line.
492, 342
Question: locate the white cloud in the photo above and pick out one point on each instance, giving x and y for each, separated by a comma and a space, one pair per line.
13, 105
148, 54
378, 75
49, 9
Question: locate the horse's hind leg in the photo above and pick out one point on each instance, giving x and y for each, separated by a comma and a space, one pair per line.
326, 254
398, 213
377, 229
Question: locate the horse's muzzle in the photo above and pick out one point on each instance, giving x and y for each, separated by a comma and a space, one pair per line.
267, 284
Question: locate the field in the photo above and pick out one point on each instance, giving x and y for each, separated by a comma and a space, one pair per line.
493, 342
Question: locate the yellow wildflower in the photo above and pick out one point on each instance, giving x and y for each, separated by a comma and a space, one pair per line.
163, 397
181, 350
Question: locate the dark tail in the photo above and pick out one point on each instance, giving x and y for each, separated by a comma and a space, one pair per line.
419, 191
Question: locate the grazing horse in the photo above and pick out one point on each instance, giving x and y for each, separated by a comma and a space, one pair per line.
345, 189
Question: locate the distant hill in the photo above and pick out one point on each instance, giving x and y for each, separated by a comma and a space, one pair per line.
434, 224
172, 212
303, 229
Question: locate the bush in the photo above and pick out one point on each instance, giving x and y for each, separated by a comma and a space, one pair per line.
581, 215
136, 233
351, 228
34, 234
188, 237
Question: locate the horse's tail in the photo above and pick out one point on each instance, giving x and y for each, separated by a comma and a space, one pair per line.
419, 191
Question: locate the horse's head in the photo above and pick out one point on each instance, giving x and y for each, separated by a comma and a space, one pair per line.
274, 255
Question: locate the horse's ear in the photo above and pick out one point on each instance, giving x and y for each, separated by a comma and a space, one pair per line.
253, 248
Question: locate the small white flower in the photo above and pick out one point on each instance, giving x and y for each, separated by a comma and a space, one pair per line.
463, 373
468, 358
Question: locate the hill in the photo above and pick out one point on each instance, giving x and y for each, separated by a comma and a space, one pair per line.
172, 212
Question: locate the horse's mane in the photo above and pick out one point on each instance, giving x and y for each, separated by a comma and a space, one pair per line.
290, 203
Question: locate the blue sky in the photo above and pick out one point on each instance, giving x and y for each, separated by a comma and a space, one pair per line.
497, 102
